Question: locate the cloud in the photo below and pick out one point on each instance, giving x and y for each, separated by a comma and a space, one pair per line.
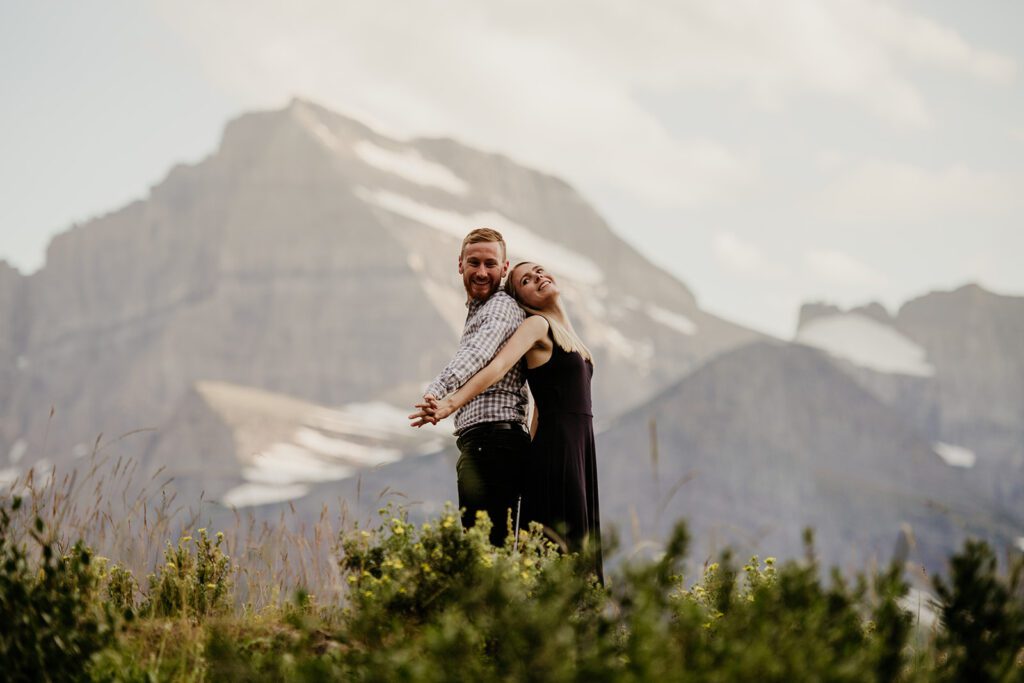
557, 85
837, 268
885, 190
743, 257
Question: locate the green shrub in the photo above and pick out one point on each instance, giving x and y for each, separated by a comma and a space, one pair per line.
193, 585
983, 619
53, 618
120, 589
434, 603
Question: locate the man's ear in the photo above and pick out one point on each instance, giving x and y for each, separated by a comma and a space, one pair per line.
460, 264
504, 269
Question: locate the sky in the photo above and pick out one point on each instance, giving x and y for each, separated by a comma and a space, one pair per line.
767, 153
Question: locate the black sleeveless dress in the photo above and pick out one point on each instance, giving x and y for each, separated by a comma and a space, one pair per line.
560, 490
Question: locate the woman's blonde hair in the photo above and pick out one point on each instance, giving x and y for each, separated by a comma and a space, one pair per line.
563, 334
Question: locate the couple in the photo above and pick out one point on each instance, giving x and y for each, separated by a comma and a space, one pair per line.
513, 335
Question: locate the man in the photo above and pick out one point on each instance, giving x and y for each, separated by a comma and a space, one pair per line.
493, 441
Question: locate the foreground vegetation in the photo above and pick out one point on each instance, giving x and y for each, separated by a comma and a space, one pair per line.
432, 603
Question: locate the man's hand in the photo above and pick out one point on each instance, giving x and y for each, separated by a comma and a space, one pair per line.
426, 414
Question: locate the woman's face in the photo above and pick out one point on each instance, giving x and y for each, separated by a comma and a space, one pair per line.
534, 286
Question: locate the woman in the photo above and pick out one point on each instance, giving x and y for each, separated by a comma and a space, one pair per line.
561, 475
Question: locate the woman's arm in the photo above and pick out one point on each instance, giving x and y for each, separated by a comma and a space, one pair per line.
529, 333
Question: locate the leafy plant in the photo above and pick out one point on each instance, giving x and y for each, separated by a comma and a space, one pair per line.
191, 584
53, 620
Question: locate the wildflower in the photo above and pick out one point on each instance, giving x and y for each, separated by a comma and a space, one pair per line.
186, 539
426, 526
426, 568
525, 575
352, 578
528, 562
397, 528
447, 522
202, 531
211, 585
220, 535
487, 560
769, 561
364, 534
713, 567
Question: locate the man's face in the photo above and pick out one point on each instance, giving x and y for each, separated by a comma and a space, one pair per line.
482, 267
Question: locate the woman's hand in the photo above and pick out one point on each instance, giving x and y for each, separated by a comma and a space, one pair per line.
431, 411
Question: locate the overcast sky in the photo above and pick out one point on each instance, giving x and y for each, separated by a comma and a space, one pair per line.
767, 153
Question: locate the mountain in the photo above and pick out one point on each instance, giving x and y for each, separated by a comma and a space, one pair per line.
308, 257
950, 363
751, 448
770, 438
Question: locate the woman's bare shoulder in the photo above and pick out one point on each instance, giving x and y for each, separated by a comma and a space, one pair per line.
536, 324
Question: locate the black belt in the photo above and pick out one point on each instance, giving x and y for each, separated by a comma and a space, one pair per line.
488, 427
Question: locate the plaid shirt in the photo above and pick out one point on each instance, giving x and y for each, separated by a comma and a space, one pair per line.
489, 324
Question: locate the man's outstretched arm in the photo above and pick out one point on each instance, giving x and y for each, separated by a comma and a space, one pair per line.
500, 323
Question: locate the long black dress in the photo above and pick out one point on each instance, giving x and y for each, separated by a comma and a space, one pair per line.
561, 485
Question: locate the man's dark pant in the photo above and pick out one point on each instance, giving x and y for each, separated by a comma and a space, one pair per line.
490, 473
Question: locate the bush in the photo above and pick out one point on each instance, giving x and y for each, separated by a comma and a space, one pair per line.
983, 619
434, 603
191, 585
53, 618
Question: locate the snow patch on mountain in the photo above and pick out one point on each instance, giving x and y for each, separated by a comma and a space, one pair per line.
317, 128
411, 165
249, 494
957, 456
287, 463
867, 343
354, 453
8, 475
639, 352
447, 301
17, 451
676, 321
523, 243
920, 604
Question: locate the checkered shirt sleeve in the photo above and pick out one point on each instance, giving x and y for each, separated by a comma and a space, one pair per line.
488, 327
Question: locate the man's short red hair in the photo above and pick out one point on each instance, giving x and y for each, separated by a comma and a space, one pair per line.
484, 235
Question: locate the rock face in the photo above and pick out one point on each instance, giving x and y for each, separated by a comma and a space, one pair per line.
968, 390
309, 257
768, 439
12, 313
